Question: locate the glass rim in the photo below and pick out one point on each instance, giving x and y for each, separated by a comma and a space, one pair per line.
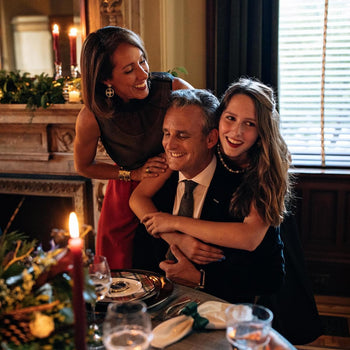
113, 307
264, 308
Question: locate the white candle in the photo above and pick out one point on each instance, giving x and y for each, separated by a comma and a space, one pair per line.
74, 96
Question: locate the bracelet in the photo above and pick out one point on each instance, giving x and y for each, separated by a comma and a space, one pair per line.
201, 284
124, 175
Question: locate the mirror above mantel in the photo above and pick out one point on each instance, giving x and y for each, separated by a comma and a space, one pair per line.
26, 34
26, 29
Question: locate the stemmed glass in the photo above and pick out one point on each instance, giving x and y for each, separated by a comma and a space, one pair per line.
127, 326
100, 275
248, 326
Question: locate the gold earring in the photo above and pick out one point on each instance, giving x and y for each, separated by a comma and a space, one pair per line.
109, 91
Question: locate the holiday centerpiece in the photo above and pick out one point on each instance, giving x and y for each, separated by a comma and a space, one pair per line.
36, 295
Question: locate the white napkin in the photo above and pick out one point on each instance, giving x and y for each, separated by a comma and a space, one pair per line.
174, 329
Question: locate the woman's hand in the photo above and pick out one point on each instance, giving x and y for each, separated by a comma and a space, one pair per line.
159, 222
151, 168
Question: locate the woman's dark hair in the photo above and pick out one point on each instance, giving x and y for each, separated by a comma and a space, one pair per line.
96, 65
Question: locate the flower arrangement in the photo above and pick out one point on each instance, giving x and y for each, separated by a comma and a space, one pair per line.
35, 295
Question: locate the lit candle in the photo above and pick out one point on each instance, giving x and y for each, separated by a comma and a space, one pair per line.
73, 46
74, 96
55, 35
76, 245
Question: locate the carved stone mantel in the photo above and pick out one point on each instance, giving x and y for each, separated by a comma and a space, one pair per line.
37, 142
37, 147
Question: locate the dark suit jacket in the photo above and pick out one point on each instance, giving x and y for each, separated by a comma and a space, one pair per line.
242, 275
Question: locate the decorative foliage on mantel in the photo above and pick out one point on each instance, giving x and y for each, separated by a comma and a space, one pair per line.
38, 91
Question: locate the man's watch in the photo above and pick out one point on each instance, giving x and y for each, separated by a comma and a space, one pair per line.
201, 283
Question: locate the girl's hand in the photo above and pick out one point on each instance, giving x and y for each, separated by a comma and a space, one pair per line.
159, 222
151, 168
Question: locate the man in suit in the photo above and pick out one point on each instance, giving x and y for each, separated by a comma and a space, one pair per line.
190, 134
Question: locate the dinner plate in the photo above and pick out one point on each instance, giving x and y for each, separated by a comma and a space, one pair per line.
150, 287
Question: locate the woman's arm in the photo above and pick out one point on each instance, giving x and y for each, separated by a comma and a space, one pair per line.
141, 199
245, 235
85, 145
141, 203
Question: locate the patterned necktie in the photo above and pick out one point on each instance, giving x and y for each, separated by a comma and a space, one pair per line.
186, 207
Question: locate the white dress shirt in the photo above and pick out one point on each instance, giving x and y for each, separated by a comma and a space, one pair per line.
203, 180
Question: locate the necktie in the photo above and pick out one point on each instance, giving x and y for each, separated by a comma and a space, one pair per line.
186, 204
186, 207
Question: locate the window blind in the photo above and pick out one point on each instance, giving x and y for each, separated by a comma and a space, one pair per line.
314, 38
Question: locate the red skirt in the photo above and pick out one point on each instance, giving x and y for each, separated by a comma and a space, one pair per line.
117, 225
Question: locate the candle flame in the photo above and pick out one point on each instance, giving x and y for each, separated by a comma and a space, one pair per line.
73, 225
55, 29
73, 32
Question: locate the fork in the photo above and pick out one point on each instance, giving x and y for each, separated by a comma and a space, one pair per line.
172, 308
179, 309
175, 309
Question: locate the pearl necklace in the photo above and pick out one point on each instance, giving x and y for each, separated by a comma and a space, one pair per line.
226, 166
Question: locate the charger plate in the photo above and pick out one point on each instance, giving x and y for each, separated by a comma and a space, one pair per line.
150, 287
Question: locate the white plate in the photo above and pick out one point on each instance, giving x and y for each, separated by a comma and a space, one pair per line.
132, 287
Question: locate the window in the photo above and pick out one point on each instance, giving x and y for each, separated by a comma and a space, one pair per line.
314, 85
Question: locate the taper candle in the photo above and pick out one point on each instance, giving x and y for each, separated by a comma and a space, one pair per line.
55, 36
73, 46
76, 245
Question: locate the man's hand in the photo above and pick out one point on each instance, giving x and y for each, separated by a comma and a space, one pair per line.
195, 250
183, 271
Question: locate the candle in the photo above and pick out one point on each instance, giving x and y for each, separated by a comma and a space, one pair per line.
74, 96
55, 35
76, 246
73, 46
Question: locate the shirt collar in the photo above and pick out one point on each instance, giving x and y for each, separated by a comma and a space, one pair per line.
205, 176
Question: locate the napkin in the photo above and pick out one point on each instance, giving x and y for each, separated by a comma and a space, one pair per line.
174, 329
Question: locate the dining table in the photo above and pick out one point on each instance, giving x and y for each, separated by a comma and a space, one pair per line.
206, 339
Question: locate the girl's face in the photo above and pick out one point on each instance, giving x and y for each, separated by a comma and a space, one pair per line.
130, 73
238, 130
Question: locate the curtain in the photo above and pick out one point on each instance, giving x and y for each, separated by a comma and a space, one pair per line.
246, 41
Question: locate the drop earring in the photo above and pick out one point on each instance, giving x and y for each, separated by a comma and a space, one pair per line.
109, 91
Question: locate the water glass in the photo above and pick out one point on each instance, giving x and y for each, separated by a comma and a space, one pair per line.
248, 326
127, 326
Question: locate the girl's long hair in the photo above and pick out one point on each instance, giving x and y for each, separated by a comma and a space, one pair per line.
266, 182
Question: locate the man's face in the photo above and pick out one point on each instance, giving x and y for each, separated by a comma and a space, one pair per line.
187, 149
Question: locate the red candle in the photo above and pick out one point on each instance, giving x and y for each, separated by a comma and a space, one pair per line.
55, 36
73, 46
76, 245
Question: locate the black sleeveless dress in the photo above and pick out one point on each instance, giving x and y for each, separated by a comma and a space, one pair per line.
130, 137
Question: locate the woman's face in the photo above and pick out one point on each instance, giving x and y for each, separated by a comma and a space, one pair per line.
238, 130
130, 73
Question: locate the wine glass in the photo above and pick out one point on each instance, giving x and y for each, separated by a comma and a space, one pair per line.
100, 275
248, 326
127, 326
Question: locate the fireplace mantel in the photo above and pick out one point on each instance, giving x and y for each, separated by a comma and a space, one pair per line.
36, 157
39, 141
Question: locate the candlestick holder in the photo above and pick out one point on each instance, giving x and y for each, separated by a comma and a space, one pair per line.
74, 72
58, 70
